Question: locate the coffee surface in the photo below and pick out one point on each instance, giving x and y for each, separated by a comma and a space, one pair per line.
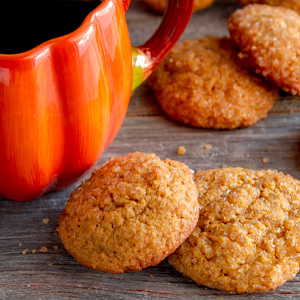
26, 24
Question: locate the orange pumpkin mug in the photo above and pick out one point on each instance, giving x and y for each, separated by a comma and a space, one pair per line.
63, 102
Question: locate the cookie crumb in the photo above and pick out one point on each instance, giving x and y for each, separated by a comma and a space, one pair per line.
208, 146
45, 221
44, 249
33, 251
181, 150
50, 263
20, 244
25, 251
55, 247
266, 160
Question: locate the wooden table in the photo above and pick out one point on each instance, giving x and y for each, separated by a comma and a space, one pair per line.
56, 275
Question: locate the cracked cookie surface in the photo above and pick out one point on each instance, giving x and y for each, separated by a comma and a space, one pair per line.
132, 213
248, 233
204, 84
269, 39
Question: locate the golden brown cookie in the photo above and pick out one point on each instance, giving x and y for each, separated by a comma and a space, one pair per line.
160, 5
269, 39
291, 4
132, 213
204, 84
248, 233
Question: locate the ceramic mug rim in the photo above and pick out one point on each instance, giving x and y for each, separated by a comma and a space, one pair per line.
84, 26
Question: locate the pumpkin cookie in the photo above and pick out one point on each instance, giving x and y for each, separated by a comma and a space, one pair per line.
204, 84
132, 213
160, 5
292, 4
269, 39
248, 233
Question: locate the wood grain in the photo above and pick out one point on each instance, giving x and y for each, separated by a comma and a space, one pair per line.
56, 275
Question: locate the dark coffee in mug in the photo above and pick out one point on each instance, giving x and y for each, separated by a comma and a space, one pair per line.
26, 24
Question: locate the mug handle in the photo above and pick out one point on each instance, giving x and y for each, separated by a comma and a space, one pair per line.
146, 57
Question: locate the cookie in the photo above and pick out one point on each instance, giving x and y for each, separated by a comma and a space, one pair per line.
204, 84
291, 4
160, 5
132, 213
269, 39
248, 233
